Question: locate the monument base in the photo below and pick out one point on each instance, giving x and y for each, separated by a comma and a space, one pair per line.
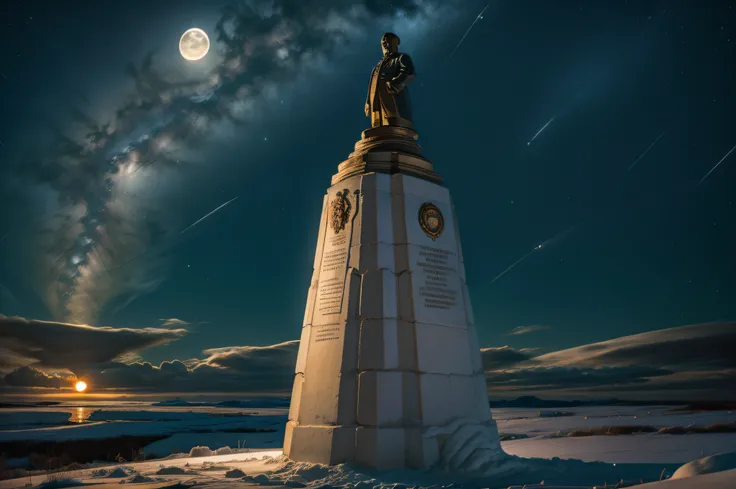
389, 372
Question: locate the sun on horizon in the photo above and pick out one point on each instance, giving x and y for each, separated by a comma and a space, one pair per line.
81, 386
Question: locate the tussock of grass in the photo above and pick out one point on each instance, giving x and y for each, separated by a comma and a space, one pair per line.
727, 427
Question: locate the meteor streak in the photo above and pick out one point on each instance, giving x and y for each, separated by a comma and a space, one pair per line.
206, 216
540, 131
646, 151
553, 240
711, 170
479, 17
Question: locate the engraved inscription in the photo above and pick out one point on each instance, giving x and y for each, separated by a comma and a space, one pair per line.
437, 290
332, 275
330, 332
330, 296
335, 259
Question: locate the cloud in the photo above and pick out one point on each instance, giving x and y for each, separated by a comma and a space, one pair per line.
32, 377
699, 346
76, 347
697, 358
106, 229
502, 357
629, 366
173, 323
254, 369
534, 378
527, 329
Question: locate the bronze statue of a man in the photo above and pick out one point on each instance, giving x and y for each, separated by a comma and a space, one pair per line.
388, 97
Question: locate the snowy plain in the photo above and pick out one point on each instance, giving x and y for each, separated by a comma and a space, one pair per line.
541, 442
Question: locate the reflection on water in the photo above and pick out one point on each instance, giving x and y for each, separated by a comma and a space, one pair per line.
80, 414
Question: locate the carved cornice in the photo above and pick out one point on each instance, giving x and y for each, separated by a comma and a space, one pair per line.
387, 149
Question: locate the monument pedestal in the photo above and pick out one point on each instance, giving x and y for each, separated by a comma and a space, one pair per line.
389, 371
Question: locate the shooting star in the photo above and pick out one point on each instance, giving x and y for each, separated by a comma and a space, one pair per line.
4, 236
172, 244
646, 151
711, 170
207, 215
553, 240
479, 17
3, 75
540, 131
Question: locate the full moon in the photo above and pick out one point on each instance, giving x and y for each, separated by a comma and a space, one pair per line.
194, 44
81, 386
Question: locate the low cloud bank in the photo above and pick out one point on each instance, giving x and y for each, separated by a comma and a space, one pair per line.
685, 362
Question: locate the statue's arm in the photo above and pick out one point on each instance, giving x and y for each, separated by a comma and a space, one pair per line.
368, 95
406, 73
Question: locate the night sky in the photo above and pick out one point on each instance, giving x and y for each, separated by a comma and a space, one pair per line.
112, 144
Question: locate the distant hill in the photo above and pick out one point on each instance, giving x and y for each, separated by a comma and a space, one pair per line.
535, 402
255, 402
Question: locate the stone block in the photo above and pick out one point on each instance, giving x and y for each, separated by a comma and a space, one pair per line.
379, 348
417, 187
366, 230
311, 300
468, 305
372, 257
385, 229
442, 349
412, 409
380, 448
378, 295
464, 397
435, 398
405, 296
296, 397
480, 390
320, 238
347, 406
351, 346
301, 356
414, 233
421, 452
475, 358
320, 444
398, 218
470, 397
406, 345
380, 399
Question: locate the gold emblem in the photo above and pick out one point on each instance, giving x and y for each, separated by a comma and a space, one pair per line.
340, 208
431, 220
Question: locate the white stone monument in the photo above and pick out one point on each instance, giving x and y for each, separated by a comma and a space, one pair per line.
389, 371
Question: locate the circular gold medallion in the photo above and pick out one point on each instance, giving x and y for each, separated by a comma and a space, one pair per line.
431, 220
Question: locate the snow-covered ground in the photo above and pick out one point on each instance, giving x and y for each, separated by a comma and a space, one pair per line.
637, 448
265, 468
543, 443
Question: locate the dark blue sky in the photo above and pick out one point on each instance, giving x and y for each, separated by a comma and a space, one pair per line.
650, 248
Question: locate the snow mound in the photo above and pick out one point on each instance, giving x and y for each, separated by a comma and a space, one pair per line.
214, 467
224, 451
116, 473
138, 479
200, 452
171, 471
707, 465
60, 483
235, 474
506, 472
470, 447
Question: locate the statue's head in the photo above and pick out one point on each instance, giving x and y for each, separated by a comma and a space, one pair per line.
390, 43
